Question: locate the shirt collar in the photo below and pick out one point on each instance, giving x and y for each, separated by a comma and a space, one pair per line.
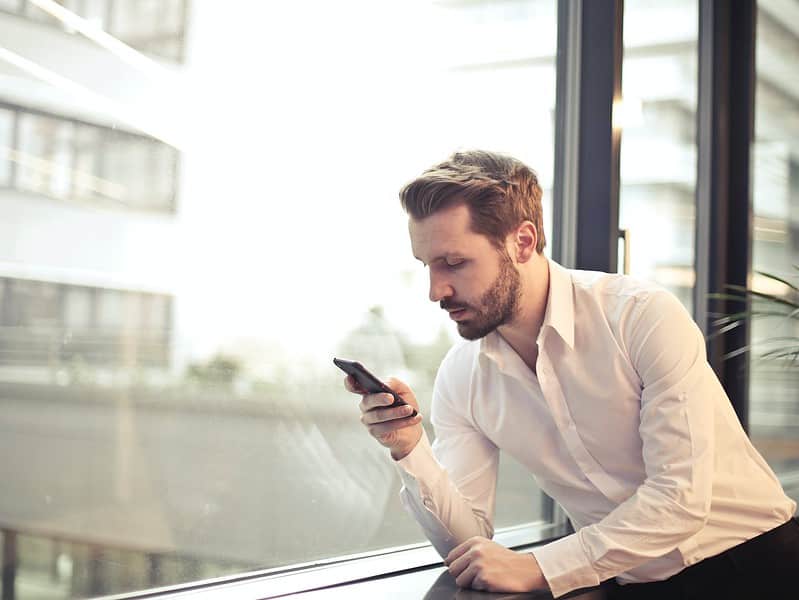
560, 303
559, 314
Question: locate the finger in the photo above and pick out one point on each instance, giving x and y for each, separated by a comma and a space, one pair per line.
381, 429
380, 415
401, 389
465, 579
477, 583
398, 386
372, 401
460, 549
350, 384
459, 565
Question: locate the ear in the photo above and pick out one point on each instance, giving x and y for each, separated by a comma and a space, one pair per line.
525, 239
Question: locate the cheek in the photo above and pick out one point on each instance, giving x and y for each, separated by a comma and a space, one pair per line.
469, 287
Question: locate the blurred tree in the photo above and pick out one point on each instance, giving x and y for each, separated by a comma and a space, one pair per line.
220, 370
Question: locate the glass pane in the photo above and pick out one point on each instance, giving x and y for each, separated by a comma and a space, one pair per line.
11, 6
153, 26
31, 322
96, 12
137, 172
45, 155
192, 376
78, 307
658, 141
132, 18
774, 367
6, 145
87, 183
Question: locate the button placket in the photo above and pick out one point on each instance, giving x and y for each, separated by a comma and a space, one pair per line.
556, 400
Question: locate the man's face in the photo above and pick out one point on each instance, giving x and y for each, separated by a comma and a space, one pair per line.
474, 282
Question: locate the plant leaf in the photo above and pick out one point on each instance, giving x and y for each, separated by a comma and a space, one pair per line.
780, 279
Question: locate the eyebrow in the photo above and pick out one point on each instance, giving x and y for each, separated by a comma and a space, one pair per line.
441, 257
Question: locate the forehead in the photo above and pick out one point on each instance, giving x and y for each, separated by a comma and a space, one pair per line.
445, 232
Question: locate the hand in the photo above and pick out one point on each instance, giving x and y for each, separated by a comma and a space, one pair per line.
394, 428
481, 564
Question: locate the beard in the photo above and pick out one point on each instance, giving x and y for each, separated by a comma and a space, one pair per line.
498, 304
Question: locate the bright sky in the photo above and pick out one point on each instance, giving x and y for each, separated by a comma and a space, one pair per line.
302, 122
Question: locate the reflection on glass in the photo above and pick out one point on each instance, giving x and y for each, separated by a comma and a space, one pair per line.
166, 383
45, 155
126, 158
10, 5
88, 150
65, 328
774, 404
658, 147
71, 160
156, 27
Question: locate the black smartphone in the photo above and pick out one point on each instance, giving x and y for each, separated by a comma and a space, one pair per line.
367, 381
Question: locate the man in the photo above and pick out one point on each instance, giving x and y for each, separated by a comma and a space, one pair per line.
599, 385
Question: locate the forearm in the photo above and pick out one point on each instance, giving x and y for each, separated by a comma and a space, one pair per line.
446, 515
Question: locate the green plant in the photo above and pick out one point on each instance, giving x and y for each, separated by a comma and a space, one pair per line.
781, 306
220, 370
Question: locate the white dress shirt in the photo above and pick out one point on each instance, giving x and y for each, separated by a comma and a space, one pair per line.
625, 425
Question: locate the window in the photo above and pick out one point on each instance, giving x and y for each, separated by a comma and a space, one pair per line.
166, 385
152, 26
88, 161
62, 333
156, 27
203, 430
45, 155
142, 171
775, 247
71, 160
658, 147
10, 5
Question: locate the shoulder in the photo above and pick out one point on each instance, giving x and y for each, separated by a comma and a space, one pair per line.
455, 374
615, 285
620, 296
459, 360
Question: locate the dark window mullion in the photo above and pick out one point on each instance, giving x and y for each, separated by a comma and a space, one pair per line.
598, 179
725, 126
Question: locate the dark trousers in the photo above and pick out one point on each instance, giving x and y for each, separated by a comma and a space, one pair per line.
767, 566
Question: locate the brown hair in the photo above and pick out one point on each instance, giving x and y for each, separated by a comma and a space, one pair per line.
500, 192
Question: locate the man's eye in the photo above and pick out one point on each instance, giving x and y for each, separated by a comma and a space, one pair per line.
454, 264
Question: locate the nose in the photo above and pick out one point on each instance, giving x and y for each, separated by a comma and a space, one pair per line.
440, 288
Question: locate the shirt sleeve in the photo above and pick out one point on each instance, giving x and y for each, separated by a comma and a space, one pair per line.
677, 431
450, 487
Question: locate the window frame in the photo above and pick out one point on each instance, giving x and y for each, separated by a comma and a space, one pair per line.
167, 204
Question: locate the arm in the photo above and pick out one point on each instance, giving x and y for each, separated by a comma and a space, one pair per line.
453, 502
677, 431
450, 488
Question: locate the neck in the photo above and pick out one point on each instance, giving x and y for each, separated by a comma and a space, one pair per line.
522, 332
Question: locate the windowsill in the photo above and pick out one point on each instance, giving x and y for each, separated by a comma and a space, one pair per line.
336, 571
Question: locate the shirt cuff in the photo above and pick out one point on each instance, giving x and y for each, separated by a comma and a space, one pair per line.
419, 471
565, 565
420, 465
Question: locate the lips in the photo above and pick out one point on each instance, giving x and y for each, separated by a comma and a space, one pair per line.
457, 314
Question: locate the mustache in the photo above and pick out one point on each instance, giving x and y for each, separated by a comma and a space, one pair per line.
450, 305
